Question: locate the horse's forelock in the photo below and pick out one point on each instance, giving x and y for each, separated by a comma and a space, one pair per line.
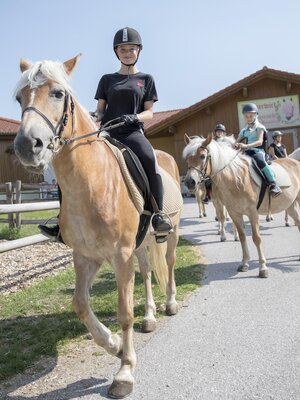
191, 148
42, 71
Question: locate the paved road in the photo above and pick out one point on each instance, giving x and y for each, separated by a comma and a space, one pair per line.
238, 337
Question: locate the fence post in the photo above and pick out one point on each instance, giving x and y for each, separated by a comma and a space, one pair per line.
9, 200
18, 201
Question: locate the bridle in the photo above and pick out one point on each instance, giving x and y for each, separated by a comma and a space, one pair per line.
60, 126
203, 171
57, 141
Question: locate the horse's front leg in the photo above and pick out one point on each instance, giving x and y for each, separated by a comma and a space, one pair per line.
263, 269
199, 201
123, 381
220, 211
149, 321
86, 270
239, 223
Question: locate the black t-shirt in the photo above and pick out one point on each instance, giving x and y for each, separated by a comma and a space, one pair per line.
278, 150
125, 94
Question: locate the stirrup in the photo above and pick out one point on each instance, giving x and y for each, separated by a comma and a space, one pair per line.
161, 234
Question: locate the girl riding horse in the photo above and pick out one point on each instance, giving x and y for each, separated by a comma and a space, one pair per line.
129, 95
253, 134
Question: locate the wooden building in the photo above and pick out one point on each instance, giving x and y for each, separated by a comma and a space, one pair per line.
275, 92
10, 168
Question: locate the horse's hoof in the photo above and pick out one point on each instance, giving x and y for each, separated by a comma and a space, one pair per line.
223, 239
236, 239
287, 224
200, 216
268, 219
243, 268
204, 215
119, 389
171, 309
264, 273
148, 325
216, 219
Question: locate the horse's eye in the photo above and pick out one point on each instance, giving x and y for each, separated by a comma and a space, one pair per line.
58, 94
18, 98
202, 157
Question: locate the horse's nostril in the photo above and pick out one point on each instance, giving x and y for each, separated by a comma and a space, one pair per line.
38, 143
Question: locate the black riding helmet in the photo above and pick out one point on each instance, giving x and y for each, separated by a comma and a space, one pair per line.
127, 36
250, 107
220, 127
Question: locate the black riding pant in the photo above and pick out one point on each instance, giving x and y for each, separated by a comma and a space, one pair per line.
141, 146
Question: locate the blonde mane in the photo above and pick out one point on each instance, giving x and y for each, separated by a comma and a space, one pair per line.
42, 71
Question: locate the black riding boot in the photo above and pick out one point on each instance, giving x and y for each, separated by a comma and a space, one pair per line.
53, 232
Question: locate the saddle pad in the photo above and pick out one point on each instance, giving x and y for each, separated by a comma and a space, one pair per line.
282, 177
172, 201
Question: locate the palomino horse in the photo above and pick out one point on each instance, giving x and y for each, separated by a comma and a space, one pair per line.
200, 191
229, 171
97, 218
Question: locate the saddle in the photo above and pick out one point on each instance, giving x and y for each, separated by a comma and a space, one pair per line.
282, 178
138, 186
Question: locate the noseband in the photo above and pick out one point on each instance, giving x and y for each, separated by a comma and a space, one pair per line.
60, 126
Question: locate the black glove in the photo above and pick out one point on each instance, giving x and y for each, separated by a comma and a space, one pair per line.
129, 119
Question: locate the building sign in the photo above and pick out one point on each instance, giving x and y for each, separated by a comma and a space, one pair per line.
275, 112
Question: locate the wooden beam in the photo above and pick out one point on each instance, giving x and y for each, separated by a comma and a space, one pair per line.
245, 92
16, 244
172, 129
24, 207
208, 111
288, 87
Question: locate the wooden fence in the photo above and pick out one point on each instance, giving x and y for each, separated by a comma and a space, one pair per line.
17, 193
18, 208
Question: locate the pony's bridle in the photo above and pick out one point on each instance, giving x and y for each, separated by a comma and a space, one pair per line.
202, 172
60, 126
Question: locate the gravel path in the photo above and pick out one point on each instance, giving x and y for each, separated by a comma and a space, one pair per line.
22, 267
236, 338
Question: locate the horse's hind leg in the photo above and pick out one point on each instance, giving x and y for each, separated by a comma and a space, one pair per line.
286, 218
123, 381
86, 270
171, 303
149, 321
294, 212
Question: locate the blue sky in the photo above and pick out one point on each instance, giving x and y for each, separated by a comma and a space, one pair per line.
193, 48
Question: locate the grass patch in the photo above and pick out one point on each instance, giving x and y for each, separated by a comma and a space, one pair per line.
39, 320
26, 230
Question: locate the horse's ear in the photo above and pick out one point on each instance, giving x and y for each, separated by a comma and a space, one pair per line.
24, 65
187, 139
69, 65
207, 140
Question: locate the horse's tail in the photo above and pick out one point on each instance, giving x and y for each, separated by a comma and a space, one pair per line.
159, 264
